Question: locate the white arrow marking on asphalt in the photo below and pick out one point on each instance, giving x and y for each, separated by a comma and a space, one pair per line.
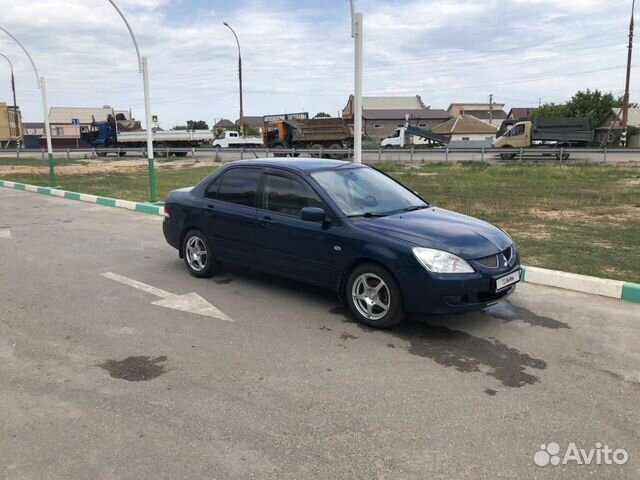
5, 233
190, 302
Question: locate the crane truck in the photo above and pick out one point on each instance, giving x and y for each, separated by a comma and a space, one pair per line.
128, 134
409, 136
545, 133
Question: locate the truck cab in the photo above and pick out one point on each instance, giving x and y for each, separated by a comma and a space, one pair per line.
396, 139
518, 136
100, 134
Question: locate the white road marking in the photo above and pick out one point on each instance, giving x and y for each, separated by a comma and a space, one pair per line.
190, 302
5, 233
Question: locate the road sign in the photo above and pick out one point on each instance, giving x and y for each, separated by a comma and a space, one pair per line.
75, 121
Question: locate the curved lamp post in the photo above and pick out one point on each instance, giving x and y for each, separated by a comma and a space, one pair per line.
43, 88
143, 67
15, 104
239, 76
356, 33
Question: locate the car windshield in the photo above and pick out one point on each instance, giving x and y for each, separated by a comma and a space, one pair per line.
366, 192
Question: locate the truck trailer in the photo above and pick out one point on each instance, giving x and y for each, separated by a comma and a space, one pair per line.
314, 133
127, 134
546, 133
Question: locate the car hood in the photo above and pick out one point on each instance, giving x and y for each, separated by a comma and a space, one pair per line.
442, 229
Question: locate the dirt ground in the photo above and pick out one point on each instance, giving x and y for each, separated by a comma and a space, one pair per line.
89, 166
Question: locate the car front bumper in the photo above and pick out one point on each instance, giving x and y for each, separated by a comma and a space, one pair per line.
428, 293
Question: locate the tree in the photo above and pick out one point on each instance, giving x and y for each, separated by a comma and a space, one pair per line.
322, 115
197, 125
593, 105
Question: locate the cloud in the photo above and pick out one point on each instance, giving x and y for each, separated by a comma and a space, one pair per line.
299, 56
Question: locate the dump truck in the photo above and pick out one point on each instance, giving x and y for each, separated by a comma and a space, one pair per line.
409, 136
315, 133
128, 134
545, 133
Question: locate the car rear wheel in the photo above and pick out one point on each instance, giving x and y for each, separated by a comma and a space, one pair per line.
198, 256
373, 296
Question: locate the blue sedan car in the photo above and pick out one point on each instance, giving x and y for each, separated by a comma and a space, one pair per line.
346, 227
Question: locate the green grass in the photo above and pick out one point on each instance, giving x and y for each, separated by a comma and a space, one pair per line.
576, 218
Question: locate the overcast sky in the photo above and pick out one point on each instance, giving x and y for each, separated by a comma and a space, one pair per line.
298, 55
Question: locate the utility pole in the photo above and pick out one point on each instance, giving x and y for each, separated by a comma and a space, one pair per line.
625, 107
491, 108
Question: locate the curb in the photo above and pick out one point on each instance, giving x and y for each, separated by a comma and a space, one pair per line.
538, 276
582, 283
84, 197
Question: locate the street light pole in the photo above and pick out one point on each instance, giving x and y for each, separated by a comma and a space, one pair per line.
239, 77
356, 33
143, 67
45, 107
15, 104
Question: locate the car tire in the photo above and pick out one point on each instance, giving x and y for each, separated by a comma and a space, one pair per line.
194, 246
373, 296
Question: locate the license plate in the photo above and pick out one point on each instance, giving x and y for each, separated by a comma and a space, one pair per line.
504, 282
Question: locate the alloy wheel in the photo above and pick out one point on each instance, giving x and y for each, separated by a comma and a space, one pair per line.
371, 296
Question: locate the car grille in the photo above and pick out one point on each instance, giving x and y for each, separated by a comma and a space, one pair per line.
490, 262
493, 261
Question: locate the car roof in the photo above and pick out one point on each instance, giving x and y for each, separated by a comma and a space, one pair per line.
299, 163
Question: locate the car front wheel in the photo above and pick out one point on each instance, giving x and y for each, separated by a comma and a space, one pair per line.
198, 256
373, 296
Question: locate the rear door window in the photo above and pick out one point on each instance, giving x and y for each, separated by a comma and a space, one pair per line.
239, 186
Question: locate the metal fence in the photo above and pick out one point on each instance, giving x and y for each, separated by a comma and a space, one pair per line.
410, 155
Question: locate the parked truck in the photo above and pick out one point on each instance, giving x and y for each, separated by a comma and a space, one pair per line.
231, 139
313, 133
128, 134
545, 133
409, 136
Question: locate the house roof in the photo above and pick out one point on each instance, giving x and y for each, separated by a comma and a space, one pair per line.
252, 121
521, 112
393, 103
462, 124
33, 124
469, 107
634, 118
84, 114
396, 114
484, 115
224, 123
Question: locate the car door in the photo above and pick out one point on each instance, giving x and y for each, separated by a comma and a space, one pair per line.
285, 244
229, 209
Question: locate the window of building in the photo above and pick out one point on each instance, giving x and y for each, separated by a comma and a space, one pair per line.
378, 125
422, 125
466, 138
58, 131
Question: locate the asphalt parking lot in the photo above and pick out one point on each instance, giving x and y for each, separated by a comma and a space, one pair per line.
250, 376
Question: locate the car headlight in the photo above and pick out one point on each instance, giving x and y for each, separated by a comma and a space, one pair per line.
438, 261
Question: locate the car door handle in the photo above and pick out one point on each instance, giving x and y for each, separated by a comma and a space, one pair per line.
209, 209
265, 221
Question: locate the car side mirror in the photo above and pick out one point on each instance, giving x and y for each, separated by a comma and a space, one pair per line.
312, 214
